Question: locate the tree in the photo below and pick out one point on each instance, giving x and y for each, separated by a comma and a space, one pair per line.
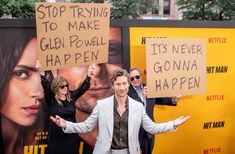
126, 9
121, 9
88, 1
207, 9
18, 8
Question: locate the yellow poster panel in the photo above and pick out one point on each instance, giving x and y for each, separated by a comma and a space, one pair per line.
211, 126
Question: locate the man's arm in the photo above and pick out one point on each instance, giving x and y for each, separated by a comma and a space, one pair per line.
165, 101
156, 128
81, 127
171, 101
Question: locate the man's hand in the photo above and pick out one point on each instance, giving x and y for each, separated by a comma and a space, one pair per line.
175, 99
144, 94
58, 121
180, 121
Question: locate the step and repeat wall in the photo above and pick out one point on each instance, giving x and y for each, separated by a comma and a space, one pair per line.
211, 126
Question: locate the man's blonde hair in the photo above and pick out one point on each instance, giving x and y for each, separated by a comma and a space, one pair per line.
119, 72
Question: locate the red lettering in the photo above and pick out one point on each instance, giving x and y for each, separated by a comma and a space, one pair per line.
214, 97
217, 40
212, 150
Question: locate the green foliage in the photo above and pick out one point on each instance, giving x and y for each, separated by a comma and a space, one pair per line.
126, 9
88, 1
18, 8
131, 9
207, 9
121, 9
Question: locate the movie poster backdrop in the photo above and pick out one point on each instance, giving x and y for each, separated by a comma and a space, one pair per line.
24, 116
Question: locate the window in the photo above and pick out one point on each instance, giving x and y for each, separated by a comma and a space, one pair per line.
166, 7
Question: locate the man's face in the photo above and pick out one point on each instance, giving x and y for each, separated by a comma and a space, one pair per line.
135, 78
121, 86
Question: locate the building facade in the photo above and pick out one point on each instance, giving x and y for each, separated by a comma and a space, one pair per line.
167, 10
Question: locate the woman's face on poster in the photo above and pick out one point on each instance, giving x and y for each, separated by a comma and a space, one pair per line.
25, 92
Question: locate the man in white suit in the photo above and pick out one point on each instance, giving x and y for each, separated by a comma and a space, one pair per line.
119, 118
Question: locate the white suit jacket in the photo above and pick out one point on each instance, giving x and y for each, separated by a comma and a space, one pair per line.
103, 116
